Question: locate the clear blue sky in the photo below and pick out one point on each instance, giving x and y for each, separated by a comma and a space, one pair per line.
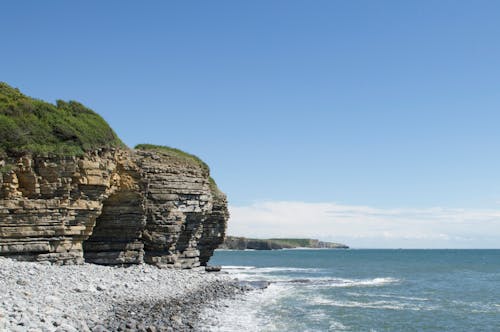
387, 104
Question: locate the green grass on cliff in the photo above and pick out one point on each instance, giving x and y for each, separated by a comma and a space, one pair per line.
181, 156
175, 153
29, 125
293, 242
213, 186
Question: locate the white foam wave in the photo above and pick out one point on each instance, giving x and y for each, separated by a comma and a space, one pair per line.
243, 314
237, 267
478, 307
306, 248
341, 282
284, 269
366, 282
391, 296
269, 269
275, 273
307, 277
392, 305
337, 326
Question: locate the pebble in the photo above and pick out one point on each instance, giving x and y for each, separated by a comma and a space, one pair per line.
21, 282
67, 298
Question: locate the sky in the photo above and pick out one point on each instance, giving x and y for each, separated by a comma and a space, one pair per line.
373, 123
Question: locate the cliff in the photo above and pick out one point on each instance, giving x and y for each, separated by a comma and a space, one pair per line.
70, 192
242, 243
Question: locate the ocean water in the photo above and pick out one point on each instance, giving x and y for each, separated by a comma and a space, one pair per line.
363, 290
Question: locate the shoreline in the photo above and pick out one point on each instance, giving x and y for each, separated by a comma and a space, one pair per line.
88, 297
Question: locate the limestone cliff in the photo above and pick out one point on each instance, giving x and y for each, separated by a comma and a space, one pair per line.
48, 206
109, 205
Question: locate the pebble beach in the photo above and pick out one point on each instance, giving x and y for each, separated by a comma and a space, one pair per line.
46, 297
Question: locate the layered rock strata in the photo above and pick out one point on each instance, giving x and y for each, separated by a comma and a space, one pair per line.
116, 236
182, 224
214, 229
48, 206
110, 207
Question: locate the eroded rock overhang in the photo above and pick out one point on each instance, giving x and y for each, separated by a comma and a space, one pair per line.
111, 207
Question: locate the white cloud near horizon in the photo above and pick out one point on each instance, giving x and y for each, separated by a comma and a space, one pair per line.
364, 226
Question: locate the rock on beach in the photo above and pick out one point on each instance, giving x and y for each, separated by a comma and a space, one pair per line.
41, 297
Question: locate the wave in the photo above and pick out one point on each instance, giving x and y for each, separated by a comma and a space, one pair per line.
237, 267
390, 305
267, 273
341, 282
367, 282
271, 269
391, 296
244, 313
308, 248
277, 274
478, 307
285, 269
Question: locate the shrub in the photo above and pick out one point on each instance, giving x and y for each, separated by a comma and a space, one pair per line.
37, 127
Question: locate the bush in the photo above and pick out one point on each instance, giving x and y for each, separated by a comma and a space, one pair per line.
29, 125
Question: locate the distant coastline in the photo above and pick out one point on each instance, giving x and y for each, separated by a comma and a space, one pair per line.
243, 243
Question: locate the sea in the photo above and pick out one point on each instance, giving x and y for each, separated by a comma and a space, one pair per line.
362, 290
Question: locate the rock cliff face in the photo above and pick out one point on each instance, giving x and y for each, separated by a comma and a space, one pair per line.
112, 206
242, 243
71, 191
182, 211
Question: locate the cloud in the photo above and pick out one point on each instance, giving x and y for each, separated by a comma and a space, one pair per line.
364, 226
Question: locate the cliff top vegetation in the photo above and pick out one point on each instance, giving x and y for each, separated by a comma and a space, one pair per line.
183, 157
292, 242
175, 153
29, 125
68, 128
240, 243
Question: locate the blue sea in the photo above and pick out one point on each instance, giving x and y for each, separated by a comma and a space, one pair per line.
363, 290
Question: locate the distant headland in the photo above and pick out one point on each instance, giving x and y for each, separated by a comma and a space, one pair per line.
242, 243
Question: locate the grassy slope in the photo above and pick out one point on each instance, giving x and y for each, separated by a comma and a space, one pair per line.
293, 242
280, 242
29, 125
